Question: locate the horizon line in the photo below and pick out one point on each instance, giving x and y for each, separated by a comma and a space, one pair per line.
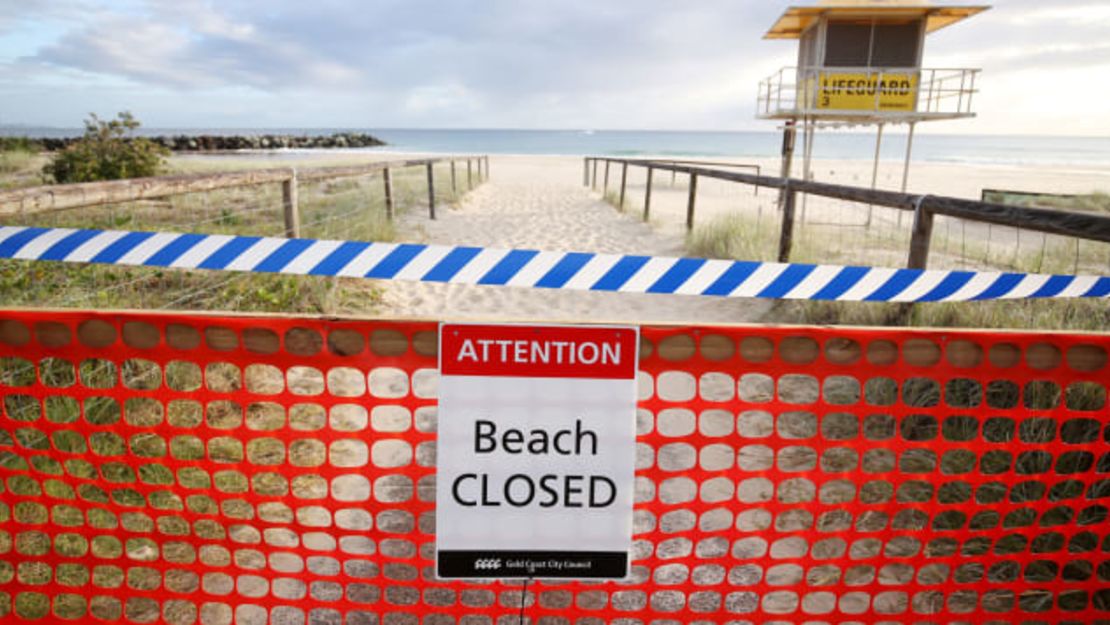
894, 130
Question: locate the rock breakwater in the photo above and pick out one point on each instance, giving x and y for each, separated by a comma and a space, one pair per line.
220, 143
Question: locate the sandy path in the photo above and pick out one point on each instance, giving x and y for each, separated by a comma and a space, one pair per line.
540, 203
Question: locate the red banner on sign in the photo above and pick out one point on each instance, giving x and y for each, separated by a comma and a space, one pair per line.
539, 351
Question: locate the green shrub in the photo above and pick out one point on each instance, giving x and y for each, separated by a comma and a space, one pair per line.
107, 152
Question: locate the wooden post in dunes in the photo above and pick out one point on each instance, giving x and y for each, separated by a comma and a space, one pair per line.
786, 239
593, 185
921, 238
690, 201
605, 185
647, 194
624, 183
289, 206
387, 180
486, 158
469, 174
454, 185
431, 192
586, 172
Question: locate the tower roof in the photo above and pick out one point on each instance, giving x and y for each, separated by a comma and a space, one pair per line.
797, 19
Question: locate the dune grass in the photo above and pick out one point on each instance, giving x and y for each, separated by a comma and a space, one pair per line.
1095, 202
733, 236
14, 161
1068, 315
613, 198
20, 168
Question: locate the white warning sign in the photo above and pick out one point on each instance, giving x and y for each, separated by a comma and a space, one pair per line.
535, 451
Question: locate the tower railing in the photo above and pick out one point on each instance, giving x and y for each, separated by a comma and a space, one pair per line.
878, 92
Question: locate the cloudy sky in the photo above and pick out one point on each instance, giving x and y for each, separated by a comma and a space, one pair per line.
658, 64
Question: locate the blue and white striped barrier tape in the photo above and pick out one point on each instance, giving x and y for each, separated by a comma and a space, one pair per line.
531, 268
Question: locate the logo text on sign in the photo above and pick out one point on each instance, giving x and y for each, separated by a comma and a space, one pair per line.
535, 451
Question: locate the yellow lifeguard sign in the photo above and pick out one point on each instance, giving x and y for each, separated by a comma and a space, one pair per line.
839, 91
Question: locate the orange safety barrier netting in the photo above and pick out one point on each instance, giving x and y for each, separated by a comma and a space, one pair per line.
210, 469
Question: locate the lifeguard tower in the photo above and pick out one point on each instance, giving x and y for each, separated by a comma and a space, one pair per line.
859, 63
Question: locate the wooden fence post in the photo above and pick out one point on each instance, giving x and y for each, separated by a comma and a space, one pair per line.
454, 185
387, 180
921, 237
647, 194
470, 174
289, 205
431, 192
786, 239
486, 158
593, 184
586, 172
605, 185
690, 201
624, 183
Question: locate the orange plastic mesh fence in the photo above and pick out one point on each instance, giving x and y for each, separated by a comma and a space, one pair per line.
204, 469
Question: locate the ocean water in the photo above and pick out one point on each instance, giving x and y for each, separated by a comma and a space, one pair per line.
973, 149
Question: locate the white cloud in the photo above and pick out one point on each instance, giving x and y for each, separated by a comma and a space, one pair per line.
494, 63
1076, 14
450, 98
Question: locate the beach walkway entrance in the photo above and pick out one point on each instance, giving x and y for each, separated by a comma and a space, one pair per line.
539, 203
